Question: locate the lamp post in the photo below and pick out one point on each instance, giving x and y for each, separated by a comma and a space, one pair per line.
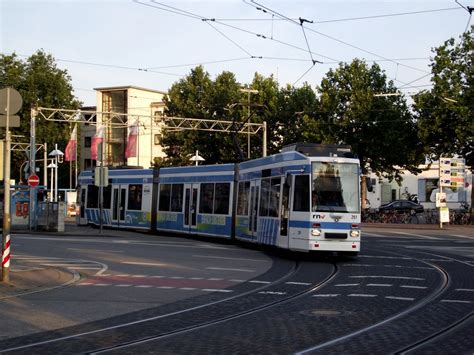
58, 158
197, 158
52, 166
248, 91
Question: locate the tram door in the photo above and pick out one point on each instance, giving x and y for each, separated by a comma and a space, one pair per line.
285, 210
81, 217
118, 205
190, 207
253, 211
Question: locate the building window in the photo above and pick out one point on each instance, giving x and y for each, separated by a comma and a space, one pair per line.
87, 142
157, 139
158, 116
89, 164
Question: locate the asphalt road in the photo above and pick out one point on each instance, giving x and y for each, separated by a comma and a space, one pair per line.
409, 291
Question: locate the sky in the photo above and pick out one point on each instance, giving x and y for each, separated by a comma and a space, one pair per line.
153, 44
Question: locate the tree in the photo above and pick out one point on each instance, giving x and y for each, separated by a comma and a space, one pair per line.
445, 113
40, 83
296, 107
380, 129
197, 96
266, 108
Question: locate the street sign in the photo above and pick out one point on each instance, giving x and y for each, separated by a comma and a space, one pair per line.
15, 101
14, 121
452, 172
10, 99
33, 180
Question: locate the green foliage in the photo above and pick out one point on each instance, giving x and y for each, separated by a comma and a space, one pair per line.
380, 129
41, 83
445, 113
197, 96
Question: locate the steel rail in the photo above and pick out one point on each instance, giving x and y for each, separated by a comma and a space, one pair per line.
294, 270
444, 284
250, 311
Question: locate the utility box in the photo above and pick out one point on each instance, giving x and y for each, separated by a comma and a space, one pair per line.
51, 216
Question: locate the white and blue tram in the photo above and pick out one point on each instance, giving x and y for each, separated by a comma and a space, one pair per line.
306, 198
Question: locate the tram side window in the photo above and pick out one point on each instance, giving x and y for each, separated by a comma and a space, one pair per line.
177, 197
165, 197
243, 198
269, 197
264, 197
221, 205
92, 196
206, 201
107, 195
274, 197
135, 197
301, 196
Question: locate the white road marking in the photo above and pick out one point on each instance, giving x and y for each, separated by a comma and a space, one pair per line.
462, 236
229, 269
346, 285
298, 283
272, 293
144, 264
138, 276
144, 286
380, 285
414, 287
465, 289
165, 287
361, 295
97, 250
385, 257
456, 301
237, 280
328, 295
123, 285
188, 288
215, 290
416, 235
400, 298
364, 265
387, 277
227, 258
443, 260
84, 284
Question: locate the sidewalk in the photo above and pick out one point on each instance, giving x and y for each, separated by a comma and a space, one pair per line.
432, 227
28, 279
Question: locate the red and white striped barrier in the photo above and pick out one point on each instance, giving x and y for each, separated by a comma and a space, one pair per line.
6, 253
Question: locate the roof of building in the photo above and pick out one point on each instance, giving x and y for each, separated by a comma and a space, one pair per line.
113, 88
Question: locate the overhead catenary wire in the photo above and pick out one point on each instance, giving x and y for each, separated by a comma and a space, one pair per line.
268, 10
347, 18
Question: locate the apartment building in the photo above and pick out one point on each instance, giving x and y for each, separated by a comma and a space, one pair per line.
132, 107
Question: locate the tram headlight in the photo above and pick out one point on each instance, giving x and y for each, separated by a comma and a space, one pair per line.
315, 232
355, 233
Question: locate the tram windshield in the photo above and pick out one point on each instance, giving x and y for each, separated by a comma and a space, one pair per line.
335, 187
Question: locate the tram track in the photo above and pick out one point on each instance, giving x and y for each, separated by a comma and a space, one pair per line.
425, 309
129, 334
